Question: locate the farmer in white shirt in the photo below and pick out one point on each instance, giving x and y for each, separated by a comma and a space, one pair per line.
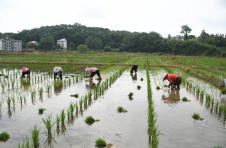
56, 71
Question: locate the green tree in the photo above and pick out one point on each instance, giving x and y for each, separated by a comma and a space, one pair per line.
185, 30
169, 37
107, 49
89, 42
47, 42
58, 46
72, 46
97, 43
83, 48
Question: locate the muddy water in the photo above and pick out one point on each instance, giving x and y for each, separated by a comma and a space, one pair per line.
176, 123
122, 129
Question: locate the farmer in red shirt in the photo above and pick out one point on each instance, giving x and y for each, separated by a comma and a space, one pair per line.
174, 80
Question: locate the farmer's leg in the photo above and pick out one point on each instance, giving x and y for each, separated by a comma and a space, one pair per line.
98, 73
92, 74
178, 86
61, 75
55, 74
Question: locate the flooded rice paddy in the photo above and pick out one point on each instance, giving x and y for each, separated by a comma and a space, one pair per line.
123, 130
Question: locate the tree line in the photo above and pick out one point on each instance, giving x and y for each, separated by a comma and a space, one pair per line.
96, 38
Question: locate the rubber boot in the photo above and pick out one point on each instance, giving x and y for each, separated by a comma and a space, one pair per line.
91, 78
100, 77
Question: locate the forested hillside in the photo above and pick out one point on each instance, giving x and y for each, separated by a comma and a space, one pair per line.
96, 38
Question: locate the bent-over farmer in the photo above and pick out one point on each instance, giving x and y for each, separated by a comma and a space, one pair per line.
174, 80
134, 68
25, 71
56, 71
92, 71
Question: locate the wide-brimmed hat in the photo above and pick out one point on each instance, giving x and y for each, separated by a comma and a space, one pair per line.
25, 69
56, 69
164, 77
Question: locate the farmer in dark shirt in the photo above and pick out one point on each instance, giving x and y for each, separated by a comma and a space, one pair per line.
25, 71
134, 68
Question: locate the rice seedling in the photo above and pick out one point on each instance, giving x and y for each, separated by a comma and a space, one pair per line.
208, 98
100, 142
41, 110
76, 106
225, 110
141, 79
13, 83
33, 93
184, 99
48, 123
58, 120
93, 84
13, 99
4, 136
75, 95
40, 91
121, 109
223, 91
196, 116
62, 116
130, 94
89, 119
217, 104
165, 85
221, 107
26, 144
48, 87
138, 87
72, 108
202, 94
35, 136
8, 102
80, 103
157, 87
90, 95
197, 91
212, 101
68, 113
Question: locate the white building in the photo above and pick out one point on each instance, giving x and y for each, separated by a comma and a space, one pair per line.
62, 43
10, 45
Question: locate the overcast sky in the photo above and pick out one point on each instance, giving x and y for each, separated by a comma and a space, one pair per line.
162, 16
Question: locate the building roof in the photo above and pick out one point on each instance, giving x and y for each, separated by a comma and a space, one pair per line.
32, 42
62, 39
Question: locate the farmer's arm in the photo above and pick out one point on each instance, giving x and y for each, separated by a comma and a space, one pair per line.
171, 83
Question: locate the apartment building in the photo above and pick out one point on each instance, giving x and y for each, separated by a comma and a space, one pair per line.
10, 45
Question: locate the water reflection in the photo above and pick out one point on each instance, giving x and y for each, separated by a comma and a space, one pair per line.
134, 76
92, 85
58, 90
61, 131
49, 142
26, 84
174, 97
